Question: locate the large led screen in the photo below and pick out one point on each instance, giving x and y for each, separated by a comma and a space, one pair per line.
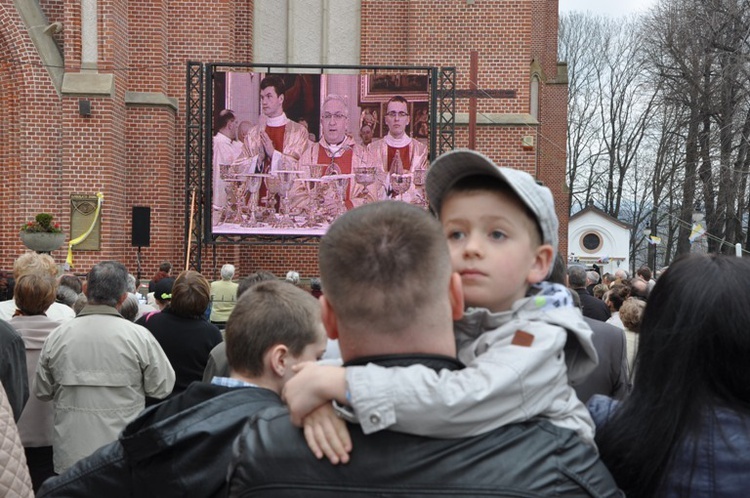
291, 152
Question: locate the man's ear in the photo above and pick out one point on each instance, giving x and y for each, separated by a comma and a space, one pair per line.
121, 300
456, 291
328, 317
543, 257
276, 359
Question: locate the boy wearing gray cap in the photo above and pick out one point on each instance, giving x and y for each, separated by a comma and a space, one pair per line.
520, 338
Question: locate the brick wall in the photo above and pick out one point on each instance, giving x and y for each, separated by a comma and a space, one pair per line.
135, 154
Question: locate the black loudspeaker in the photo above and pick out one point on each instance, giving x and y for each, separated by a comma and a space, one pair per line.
141, 234
84, 108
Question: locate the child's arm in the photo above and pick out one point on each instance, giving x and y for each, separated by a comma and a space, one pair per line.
312, 386
308, 396
504, 382
326, 434
511, 376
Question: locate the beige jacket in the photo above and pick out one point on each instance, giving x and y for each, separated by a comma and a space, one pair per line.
98, 368
14, 474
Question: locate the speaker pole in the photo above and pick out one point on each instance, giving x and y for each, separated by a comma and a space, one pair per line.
138, 259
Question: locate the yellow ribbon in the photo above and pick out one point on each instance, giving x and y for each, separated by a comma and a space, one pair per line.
81, 238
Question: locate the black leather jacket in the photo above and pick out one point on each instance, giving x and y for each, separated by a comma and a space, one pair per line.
534, 458
181, 447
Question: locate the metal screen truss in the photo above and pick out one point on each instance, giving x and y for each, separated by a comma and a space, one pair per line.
446, 110
198, 111
194, 159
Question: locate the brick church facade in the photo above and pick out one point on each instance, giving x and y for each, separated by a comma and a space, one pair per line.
127, 58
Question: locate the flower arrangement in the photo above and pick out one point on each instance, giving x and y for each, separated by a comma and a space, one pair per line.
42, 224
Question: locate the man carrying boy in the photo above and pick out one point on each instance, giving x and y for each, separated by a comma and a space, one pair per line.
182, 447
397, 326
516, 336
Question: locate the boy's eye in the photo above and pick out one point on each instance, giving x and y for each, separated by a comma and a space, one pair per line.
497, 235
455, 235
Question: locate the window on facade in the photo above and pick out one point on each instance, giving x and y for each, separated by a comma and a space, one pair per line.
591, 242
534, 97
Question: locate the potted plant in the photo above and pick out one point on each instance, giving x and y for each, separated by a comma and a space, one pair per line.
42, 235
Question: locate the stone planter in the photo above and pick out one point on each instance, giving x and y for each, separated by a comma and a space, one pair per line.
42, 241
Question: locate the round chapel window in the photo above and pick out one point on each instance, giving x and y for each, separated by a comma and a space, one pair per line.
591, 242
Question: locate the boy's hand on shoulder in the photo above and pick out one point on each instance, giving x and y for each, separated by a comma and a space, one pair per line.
312, 386
326, 434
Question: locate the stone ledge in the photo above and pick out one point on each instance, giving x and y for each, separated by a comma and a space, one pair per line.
152, 99
88, 85
498, 119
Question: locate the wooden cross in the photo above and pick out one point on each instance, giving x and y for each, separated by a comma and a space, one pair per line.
474, 93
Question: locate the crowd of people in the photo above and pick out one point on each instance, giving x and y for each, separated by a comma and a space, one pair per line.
477, 367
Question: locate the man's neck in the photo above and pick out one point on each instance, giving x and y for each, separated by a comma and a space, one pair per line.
402, 141
278, 120
429, 340
260, 381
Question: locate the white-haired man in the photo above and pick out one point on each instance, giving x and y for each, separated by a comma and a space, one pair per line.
223, 297
338, 150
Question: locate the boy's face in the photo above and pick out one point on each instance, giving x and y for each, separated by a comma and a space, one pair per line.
494, 246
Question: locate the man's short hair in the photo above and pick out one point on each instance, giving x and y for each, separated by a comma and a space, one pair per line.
34, 293
397, 98
165, 266
639, 287
576, 277
292, 277
131, 283
382, 264
315, 284
73, 282
254, 278
191, 294
224, 118
338, 98
599, 290
593, 276
66, 295
227, 272
269, 313
275, 81
129, 308
644, 272
81, 301
107, 282
31, 262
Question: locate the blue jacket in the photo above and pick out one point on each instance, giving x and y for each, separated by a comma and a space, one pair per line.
722, 465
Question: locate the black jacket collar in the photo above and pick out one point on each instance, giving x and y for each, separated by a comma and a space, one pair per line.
436, 362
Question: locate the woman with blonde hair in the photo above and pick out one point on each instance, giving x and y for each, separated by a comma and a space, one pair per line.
631, 313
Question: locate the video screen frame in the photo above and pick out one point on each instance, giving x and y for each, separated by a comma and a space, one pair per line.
368, 90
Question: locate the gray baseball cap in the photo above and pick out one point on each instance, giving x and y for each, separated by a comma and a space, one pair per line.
453, 166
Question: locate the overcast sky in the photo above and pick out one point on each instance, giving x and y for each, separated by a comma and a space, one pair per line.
606, 7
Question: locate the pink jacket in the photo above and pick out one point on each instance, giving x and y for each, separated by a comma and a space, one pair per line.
14, 474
